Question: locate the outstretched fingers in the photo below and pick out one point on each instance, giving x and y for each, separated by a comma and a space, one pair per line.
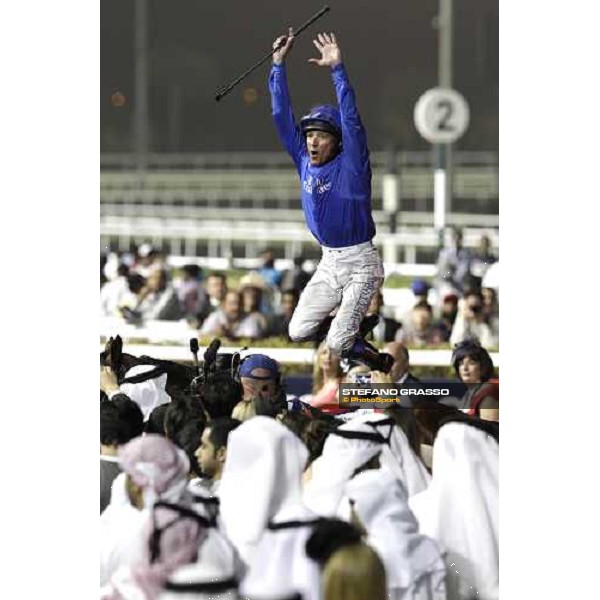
326, 38
326, 44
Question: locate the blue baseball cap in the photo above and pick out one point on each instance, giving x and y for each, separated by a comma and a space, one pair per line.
259, 361
419, 287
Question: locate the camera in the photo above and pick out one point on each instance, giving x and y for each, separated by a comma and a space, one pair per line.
361, 378
215, 363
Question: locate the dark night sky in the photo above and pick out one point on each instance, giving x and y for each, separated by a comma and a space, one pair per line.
389, 47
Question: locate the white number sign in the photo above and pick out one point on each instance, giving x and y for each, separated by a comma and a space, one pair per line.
441, 115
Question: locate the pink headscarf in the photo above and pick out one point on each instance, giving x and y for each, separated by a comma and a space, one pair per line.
178, 544
156, 465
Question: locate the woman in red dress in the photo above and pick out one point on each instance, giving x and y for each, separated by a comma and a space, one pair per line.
474, 366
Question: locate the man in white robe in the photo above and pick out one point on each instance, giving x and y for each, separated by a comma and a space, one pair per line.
460, 510
413, 563
153, 469
263, 512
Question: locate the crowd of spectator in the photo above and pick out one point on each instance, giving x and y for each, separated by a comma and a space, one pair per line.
459, 303
219, 484
141, 287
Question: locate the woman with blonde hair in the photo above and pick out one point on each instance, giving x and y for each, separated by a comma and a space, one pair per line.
327, 375
351, 569
354, 573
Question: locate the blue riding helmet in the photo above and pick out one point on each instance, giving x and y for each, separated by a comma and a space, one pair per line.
323, 118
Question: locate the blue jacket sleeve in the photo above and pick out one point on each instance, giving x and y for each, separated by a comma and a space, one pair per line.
354, 136
288, 131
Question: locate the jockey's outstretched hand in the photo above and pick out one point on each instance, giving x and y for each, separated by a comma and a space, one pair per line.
331, 54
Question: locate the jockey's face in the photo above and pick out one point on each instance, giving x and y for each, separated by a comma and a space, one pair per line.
322, 147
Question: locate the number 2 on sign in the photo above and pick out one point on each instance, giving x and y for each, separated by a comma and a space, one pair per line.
447, 108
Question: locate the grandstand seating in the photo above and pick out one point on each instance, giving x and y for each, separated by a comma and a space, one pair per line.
231, 205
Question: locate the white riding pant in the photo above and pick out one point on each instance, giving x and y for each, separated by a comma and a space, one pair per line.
346, 278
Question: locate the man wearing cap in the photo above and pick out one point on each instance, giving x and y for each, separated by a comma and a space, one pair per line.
420, 290
256, 297
260, 377
329, 149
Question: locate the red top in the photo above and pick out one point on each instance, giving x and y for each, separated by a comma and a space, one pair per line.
326, 399
490, 388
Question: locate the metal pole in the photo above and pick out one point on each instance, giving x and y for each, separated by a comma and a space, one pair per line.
443, 166
390, 205
445, 44
140, 106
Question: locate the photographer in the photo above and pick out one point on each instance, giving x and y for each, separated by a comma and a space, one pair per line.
263, 394
220, 394
471, 322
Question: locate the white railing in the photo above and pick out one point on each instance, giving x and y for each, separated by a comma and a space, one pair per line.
282, 264
183, 236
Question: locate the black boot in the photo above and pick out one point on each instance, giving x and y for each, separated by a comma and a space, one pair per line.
367, 325
363, 352
323, 330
